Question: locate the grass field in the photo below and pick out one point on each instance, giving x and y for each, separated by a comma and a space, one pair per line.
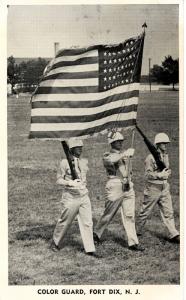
34, 206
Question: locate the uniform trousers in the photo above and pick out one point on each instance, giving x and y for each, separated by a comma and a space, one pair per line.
115, 199
73, 206
158, 194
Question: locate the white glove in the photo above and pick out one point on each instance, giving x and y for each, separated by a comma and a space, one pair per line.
165, 174
169, 172
129, 152
75, 183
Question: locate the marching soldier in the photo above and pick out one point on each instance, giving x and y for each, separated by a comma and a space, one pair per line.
157, 190
119, 192
75, 200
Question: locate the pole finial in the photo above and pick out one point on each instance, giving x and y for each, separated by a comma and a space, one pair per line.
144, 26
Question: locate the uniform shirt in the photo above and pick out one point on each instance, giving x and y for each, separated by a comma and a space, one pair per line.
115, 163
152, 174
64, 175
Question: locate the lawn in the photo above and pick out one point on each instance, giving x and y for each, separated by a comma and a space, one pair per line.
34, 206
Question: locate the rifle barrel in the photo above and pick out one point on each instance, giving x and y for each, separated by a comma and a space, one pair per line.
161, 165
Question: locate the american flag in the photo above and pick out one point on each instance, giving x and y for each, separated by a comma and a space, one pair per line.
85, 91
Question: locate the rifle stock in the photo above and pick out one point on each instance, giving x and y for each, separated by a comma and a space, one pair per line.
160, 164
70, 160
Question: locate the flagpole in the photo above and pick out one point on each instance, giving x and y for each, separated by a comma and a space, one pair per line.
64, 143
129, 163
149, 75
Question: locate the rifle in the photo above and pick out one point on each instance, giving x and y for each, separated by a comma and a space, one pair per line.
70, 160
160, 164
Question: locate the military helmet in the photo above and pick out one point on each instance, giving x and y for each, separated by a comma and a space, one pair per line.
115, 136
72, 143
161, 138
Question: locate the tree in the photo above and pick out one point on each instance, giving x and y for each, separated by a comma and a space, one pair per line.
13, 72
171, 66
32, 71
158, 73
168, 72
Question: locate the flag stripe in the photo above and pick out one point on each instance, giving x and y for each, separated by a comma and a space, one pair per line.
66, 90
82, 126
77, 75
83, 118
77, 51
87, 97
79, 111
85, 104
65, 134
70, 82
92, 53
74, 69
80, 61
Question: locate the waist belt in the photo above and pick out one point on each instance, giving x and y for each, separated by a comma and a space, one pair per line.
157, 182
76, 191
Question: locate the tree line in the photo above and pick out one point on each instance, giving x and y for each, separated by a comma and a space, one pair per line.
25, 76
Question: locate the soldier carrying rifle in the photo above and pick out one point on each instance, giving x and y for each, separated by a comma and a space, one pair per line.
75, 200
157, 189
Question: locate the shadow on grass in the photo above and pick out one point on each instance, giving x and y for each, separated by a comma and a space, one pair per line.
120, 241
45, 232
39, 232
163, 239
112, 237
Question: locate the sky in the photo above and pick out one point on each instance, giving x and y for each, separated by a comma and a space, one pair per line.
33, 29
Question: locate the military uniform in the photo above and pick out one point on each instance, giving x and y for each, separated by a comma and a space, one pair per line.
115, 164
75, 202
157, 191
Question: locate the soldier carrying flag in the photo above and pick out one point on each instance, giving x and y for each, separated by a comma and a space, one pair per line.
119, 192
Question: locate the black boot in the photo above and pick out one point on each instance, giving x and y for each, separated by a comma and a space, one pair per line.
94, 254
54, 247
96, 239
136, 247
175, 239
